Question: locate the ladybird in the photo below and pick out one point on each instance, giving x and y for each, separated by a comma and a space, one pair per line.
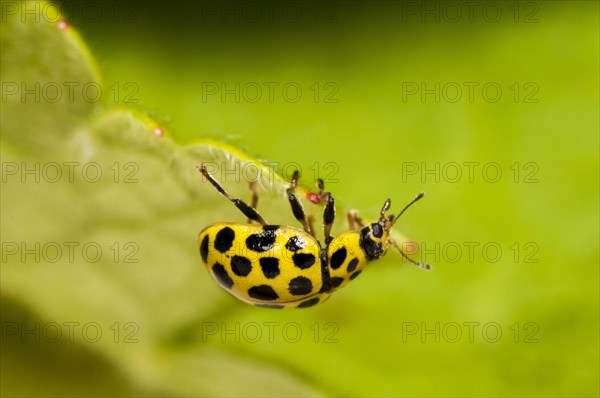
276, 266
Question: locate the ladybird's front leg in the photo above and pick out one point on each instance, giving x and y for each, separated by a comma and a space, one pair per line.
425, 266
354, 221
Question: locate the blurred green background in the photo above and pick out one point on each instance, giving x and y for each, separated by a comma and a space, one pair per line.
394, 98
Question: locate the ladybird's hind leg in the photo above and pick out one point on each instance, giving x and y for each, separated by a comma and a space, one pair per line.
297, 208
242, 206
254, 204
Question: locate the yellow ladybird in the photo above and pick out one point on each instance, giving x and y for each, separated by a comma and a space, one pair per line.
278, 266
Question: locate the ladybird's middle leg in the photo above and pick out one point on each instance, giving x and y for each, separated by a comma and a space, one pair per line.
242, 206
297, 208
322, 194
328, 211
311, 222
328, 217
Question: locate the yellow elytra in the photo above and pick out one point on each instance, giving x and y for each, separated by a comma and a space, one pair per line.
278, 266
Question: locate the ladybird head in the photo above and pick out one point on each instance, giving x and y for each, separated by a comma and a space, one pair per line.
374, 238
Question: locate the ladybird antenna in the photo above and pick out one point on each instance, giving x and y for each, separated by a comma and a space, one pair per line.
385, 208
417, 198
419, 264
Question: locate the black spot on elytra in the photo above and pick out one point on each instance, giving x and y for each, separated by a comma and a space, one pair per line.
263, 241
352, 265
275, 306
222, 276
300, 286
262, 292
241, 266
224, 239
377, 230
371, 248
295, 243
303, 260
338, 258
354, 275
204, 249
336, 281
270, 266
308, 303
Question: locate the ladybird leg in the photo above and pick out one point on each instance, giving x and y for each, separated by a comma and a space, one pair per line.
328, 211
322, 194
350, 217
311, 222
242, 206
325, 273
297, 208
254, 189
328, 218
354, 221
410, 260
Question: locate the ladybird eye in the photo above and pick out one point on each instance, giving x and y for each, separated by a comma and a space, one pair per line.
377, 230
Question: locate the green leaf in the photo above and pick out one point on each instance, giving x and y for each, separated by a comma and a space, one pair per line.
112, 211
46, 75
